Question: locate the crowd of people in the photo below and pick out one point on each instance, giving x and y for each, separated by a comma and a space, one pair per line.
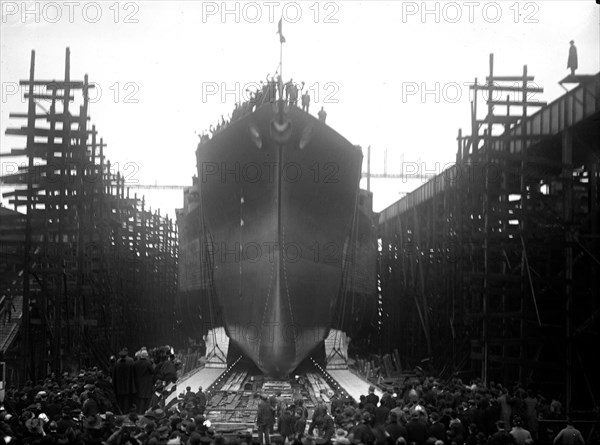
127, 406
424, 412
268, 92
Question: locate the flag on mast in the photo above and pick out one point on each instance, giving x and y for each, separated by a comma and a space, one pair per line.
281, 38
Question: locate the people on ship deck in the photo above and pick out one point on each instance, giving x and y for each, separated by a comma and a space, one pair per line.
305, 101
322, 114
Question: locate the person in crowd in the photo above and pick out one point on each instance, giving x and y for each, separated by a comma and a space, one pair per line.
265, 419
437, 429
521, 435
394, 428
286, 425
363, 433
416, 429
144, 380
569, 435
77, 407
501, 436
124, 380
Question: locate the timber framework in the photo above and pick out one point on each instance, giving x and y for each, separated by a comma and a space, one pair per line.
491, 267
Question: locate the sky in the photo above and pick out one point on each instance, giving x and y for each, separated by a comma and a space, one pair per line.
392, 75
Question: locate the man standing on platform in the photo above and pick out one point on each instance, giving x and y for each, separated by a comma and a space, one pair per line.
572, 62
265, 419
144, 380
124, 381
201, 400
305, 101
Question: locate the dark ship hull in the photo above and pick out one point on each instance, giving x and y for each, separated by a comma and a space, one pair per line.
278, 200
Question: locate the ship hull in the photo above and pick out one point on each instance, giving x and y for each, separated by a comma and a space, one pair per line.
278, 202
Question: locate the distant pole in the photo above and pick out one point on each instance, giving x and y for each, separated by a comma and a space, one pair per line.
281, 42
369, 169
25, 335
385, 162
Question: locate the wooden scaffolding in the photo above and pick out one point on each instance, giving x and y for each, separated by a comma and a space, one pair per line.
92, 267
490, 269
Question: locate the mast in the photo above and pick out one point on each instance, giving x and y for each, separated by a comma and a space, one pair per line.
281, 42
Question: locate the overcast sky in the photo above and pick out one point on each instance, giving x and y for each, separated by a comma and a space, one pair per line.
166, 70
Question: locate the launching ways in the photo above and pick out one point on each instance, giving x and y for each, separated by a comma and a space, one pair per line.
232, 392
336, 349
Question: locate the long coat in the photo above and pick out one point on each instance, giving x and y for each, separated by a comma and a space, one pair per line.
264, 415
572, 61
123, 377
144, 378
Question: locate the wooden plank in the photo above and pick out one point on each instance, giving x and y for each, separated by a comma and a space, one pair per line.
508, 78
24, 131
506, 88
56, 84
517, 103
48, 97
60, 117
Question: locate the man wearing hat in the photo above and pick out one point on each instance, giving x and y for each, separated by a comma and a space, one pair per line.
501, 437
572, 61
437, 429
394, 428
124, 381
363, 432
265, 419
201, 400
416, 429
144, 380
341, 437
286, 425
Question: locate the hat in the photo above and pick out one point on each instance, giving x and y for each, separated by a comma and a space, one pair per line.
144, 354
159, 413
341, 432
34, 425
150, 414
163, 431
92, 423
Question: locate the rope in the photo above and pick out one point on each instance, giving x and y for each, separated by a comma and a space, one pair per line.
347, 269
206, 274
